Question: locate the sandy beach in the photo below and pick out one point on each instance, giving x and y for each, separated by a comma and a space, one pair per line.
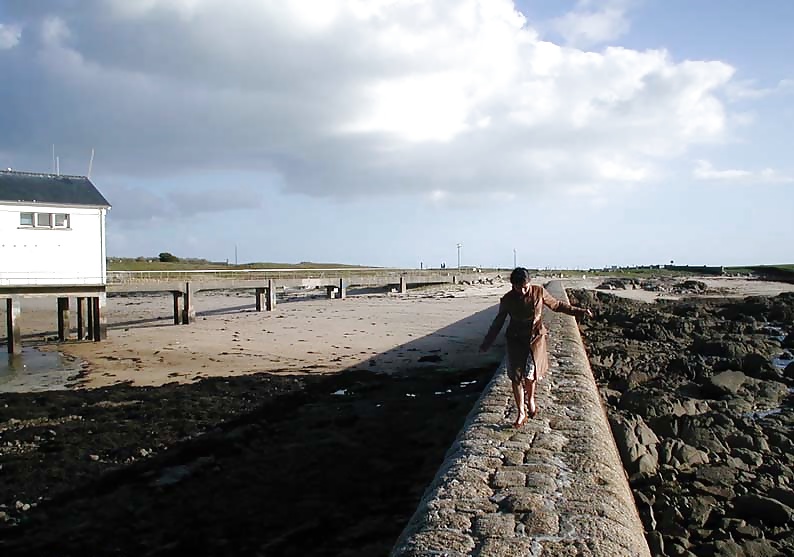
305, 334
379, 331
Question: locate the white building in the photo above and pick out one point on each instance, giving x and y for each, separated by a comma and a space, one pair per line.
52, 243
52, 230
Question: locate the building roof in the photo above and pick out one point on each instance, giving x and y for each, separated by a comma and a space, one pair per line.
30, 187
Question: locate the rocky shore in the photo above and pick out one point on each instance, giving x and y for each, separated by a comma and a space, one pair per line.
698, 392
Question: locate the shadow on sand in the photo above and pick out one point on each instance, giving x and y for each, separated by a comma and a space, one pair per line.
256, 465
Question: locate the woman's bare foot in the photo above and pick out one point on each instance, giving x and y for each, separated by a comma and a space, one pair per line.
533, 408
522, 419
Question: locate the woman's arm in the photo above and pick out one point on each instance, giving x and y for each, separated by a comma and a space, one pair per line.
563, 307
496, 326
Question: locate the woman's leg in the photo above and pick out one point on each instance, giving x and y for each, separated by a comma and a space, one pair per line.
529, 387
518, 393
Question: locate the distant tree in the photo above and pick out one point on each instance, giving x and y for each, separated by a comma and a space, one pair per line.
166, 257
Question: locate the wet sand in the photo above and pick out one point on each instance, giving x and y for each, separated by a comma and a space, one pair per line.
305, 334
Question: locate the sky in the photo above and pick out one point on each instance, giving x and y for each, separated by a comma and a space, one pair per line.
550, 133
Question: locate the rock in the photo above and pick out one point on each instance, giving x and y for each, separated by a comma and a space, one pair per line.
728, 349
725, 548
716, 475
765, 509
785, 496
635, 440
655, 543
701, 432
788, 372
751, 458
727, 382
756, 365
680, 455
761, 548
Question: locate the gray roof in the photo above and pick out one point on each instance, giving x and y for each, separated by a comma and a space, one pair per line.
29, 187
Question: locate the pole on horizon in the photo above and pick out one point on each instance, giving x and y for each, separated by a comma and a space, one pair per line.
459, 246
514, 259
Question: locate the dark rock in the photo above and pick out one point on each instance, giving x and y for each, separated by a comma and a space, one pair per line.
785, 496
716, 475
730, 349
655, 543
761, 548
756, 365
680, 455
700, 510
765, 509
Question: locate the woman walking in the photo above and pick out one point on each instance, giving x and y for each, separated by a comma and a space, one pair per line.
527, 360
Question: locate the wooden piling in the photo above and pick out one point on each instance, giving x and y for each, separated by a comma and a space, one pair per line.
260, 294
189, 312
271, 295
14, 336
177, 296
63, 318
99, 323
81, 318
89, 334
403, 286
342, 289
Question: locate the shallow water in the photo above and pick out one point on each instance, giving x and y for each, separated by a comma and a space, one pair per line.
37, 370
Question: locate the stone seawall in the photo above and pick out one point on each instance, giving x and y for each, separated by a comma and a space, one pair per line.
555, 487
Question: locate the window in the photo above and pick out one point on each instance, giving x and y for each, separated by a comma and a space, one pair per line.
44, 220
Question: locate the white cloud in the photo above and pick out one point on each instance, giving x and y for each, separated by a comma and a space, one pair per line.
748, 90
704, 170
594, 23
354, 98
9, 36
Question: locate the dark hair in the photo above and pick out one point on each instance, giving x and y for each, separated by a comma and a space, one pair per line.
519, 276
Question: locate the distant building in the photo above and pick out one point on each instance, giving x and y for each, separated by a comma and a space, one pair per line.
52, 230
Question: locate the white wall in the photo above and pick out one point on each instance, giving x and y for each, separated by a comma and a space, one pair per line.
73, 256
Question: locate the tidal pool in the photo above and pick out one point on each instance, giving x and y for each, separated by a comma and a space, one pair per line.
36, 370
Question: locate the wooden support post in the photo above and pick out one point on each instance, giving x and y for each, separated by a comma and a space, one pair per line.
81, 315
330, 292
177, 317
260, 294
89, 334
12, 325
403, 285
454, 279
63, 319
189, 313
342, 289
271, 295
99, 323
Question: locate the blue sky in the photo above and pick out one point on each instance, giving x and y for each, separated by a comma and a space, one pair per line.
579, 133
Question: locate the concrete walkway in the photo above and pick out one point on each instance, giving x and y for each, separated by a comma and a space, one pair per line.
555, 487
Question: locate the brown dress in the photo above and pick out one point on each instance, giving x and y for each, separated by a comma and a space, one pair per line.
526, 333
